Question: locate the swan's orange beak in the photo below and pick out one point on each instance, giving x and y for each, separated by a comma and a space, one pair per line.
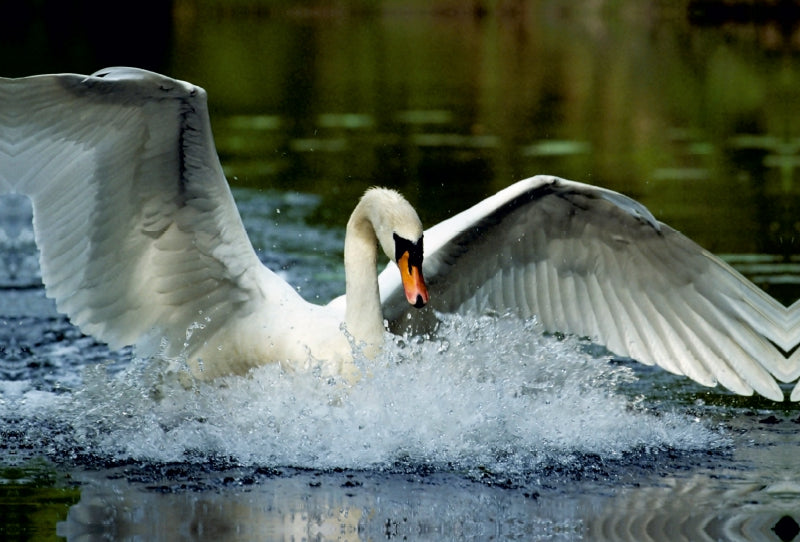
413, 283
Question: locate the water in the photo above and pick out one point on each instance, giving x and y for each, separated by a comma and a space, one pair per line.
489, 429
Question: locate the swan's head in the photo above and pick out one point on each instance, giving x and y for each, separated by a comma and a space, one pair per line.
399, 231
408, 256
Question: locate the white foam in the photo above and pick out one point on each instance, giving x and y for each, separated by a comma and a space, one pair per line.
487, 393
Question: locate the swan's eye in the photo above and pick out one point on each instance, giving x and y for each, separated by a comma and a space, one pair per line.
414, 250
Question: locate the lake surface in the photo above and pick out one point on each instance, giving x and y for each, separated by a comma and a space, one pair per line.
493, 429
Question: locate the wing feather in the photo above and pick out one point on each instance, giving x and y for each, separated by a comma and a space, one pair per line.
138, 231
591, 262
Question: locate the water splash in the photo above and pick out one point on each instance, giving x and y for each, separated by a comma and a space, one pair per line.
485, 394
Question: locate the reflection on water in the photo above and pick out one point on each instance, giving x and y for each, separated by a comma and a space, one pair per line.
713, 499
311, 107
368, 506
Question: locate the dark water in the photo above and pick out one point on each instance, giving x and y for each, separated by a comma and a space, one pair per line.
692, 115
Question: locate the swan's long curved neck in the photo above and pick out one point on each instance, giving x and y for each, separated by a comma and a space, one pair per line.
363, 316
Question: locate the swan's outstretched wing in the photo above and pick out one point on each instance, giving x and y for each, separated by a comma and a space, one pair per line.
7, 96
139, 236
591, 262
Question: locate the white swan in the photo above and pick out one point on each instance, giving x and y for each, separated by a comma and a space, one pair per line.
141, 242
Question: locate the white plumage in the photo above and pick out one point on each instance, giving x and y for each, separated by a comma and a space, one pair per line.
141, 241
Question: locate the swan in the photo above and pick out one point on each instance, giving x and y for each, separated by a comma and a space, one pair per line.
141, 244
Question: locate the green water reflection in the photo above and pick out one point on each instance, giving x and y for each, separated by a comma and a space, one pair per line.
695, 122
450, 105
33, 498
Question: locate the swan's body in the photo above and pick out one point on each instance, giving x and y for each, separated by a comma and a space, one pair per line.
141, 241
287, 329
